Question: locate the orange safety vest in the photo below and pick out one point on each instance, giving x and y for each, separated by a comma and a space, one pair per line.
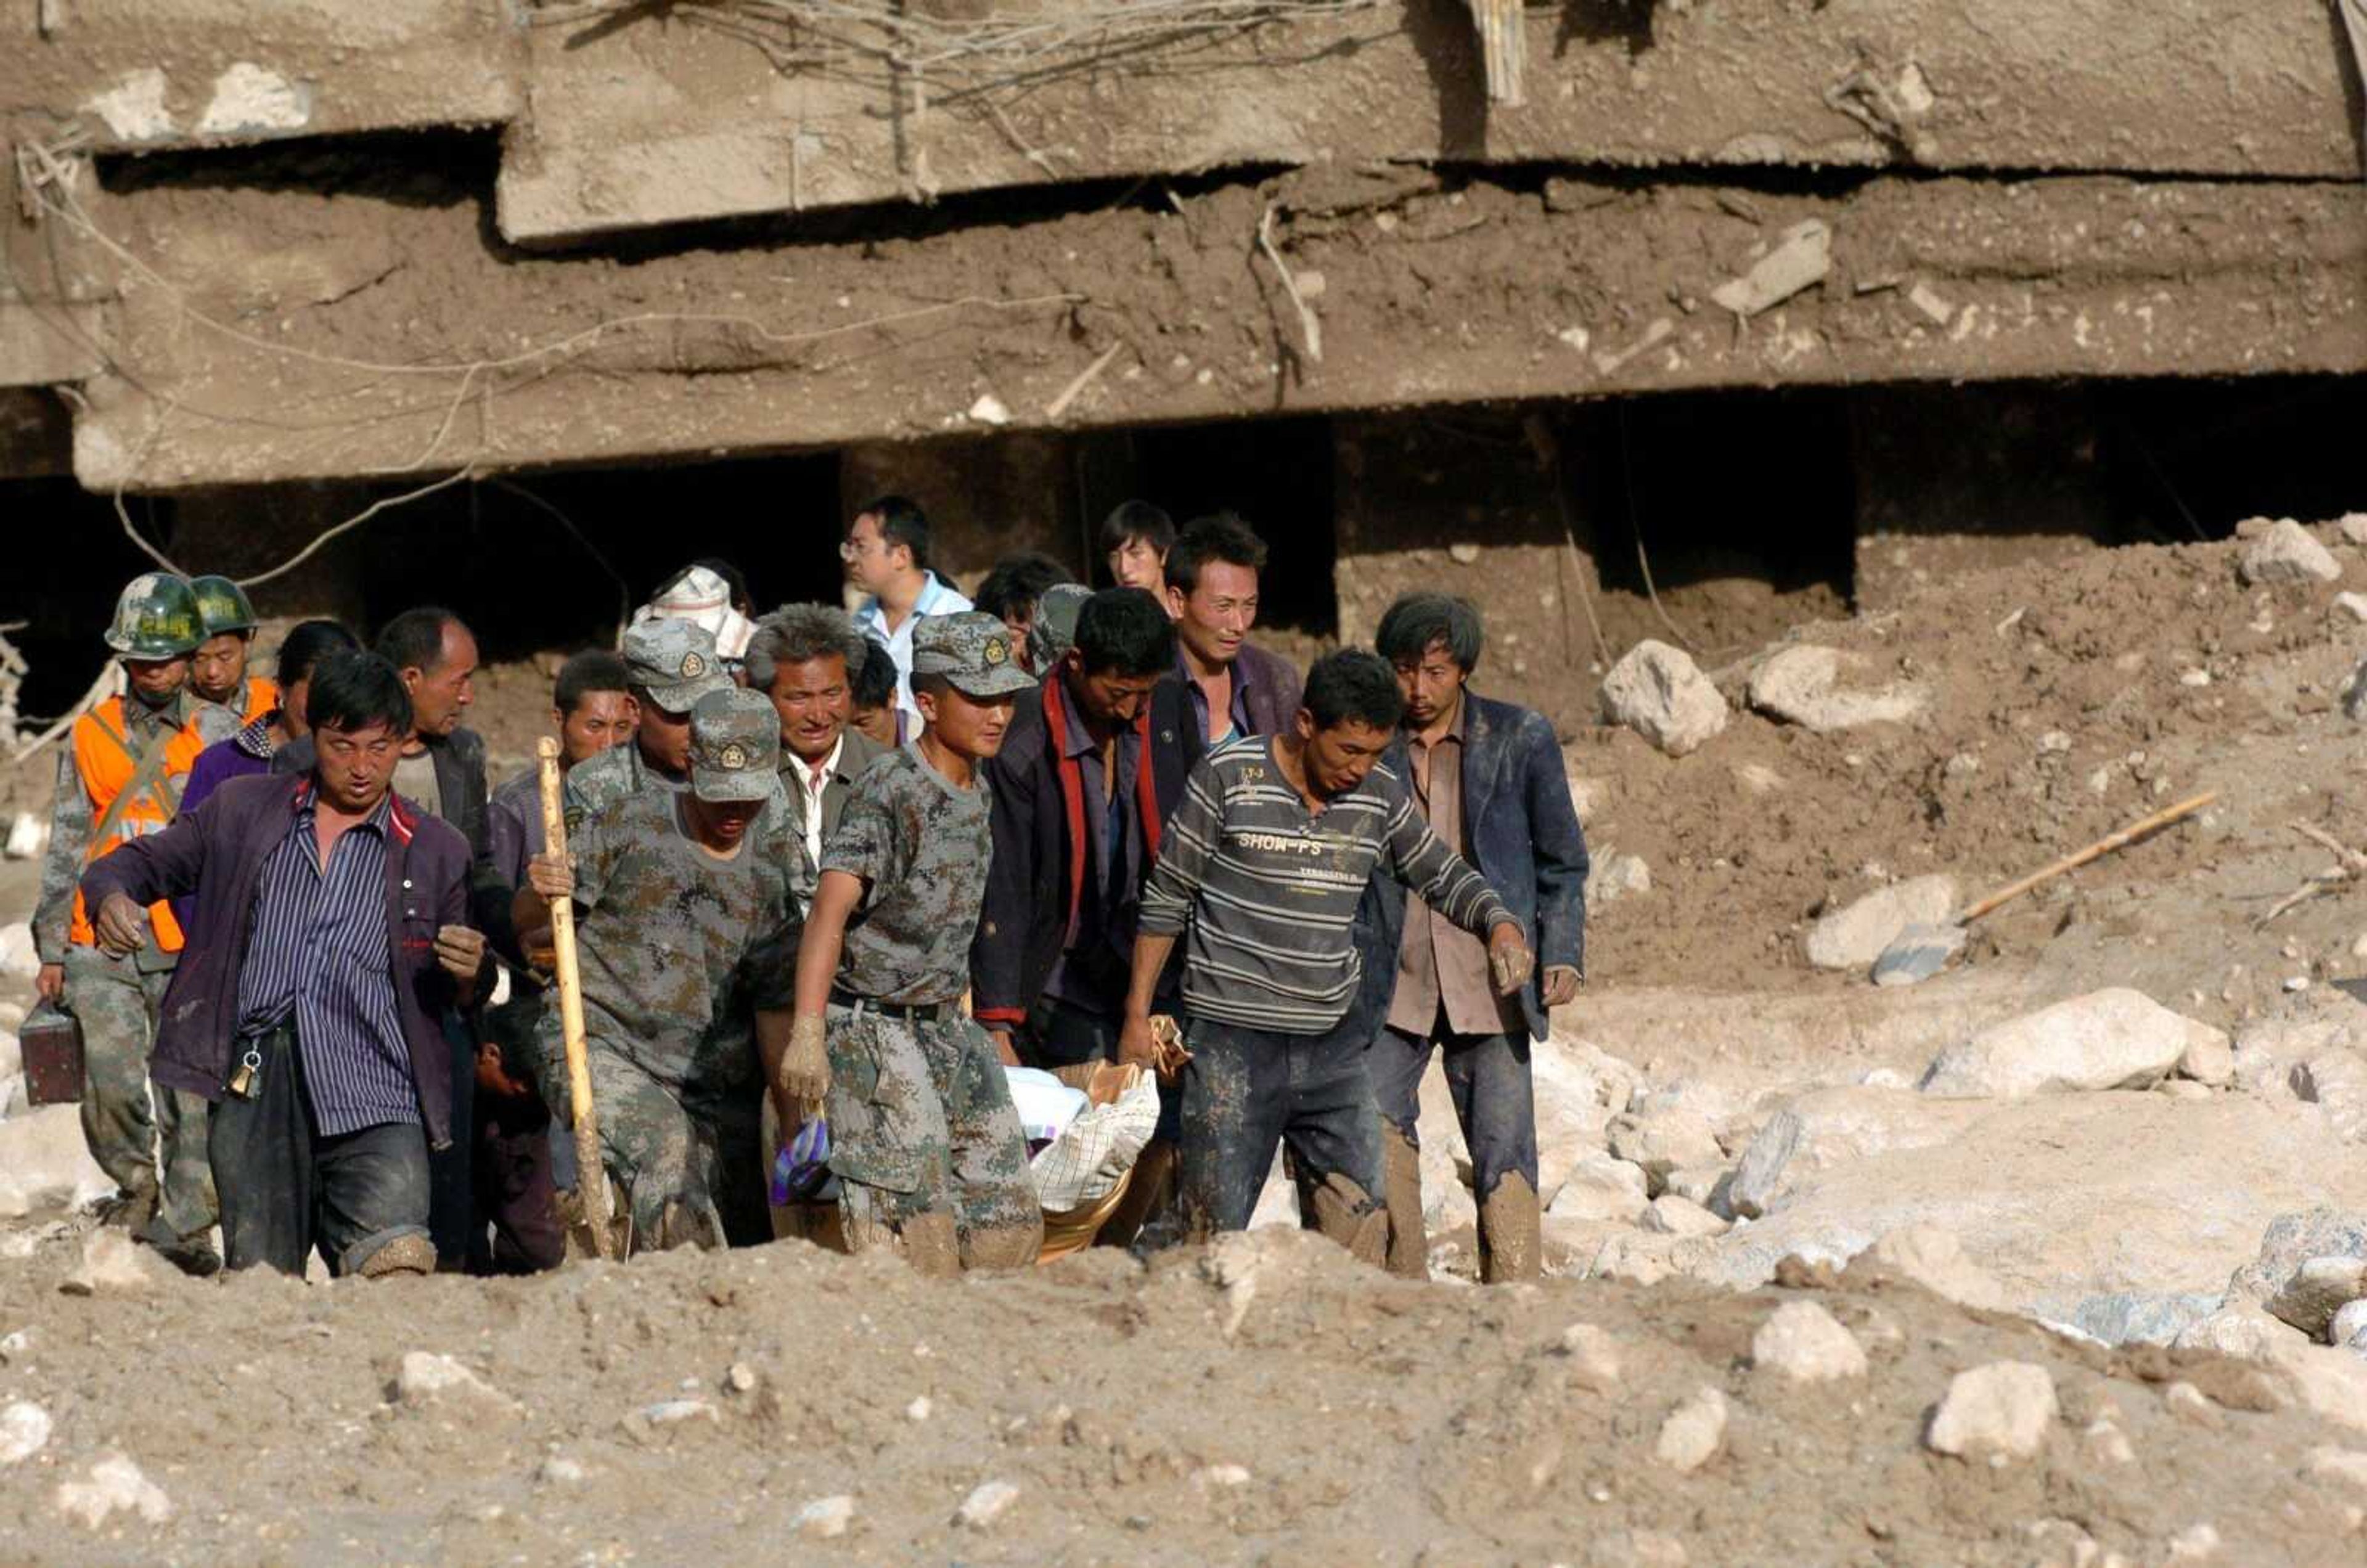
105, 757
262, 697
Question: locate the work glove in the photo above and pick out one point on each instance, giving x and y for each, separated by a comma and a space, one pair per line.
804, 1065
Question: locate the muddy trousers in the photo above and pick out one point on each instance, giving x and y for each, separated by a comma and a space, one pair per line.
287, 1189
683, 1164
1495, 1105
127, 1120
926, 1142
1248, 1091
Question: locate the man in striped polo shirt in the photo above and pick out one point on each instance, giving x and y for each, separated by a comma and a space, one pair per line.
1264, 866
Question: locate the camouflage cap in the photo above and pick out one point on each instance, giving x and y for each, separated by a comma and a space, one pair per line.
972, 651
735, 745
674, 662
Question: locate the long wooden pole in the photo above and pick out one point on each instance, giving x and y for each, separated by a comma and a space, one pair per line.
591, 1173
2097, 850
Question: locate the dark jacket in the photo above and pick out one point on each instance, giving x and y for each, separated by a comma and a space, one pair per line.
1041, 846
217, 853
1521, 829
1271, 691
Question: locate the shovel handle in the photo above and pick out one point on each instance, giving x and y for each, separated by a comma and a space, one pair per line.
590, 1174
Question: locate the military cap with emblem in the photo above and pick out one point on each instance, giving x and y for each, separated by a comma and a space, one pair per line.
735, 745
157, 617
972, 651
222, 605
1054, 630
675, 663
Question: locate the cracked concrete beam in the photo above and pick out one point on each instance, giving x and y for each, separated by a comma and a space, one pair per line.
644, 122
147, 76
1427, 295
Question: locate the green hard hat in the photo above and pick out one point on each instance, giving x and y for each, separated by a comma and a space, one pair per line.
156, 618
222, 606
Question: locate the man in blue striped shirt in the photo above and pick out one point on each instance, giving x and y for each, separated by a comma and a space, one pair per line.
1264, 866
334, 942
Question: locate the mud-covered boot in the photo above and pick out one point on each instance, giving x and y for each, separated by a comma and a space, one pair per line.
1409, 1243
404, 1255
1346, 1213
1510, 1247
192, 1255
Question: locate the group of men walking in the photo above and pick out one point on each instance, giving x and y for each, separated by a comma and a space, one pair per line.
311, 951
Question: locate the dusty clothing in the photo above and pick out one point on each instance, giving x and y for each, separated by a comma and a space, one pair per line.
101, 762
1264, 891
677, 948
128, 1122
288, 1188
319, 961
921, 845
1522, 831
1266, 696
514, 825
618, 773
1248, 1091
1440, 964
515, 1196
921, 1122
217, 852
1495, 1105
819, 811
1060, 906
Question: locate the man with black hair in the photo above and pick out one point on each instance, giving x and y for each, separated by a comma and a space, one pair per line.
871, 698
1011, 591
251, 750
1264, 866
887, 556
308, 1006
802, 657
591, 709
1082, 791
1488, 778
1135, 539
1232, 686
218, 669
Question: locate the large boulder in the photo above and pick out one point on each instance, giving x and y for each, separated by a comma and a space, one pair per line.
1811, 686
2059, 1198
2110, 1039
2286, 552
2310, 1264
46, 1164
1856, 934
1660, 694
1826, 1128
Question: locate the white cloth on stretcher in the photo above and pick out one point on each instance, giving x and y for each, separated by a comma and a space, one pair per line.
1096, 1145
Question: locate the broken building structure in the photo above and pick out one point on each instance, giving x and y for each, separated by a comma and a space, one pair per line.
1744, 308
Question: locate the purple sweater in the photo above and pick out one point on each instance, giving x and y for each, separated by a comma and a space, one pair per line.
216, 854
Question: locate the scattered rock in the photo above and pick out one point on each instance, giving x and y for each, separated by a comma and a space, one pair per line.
2242, 1332
2191, 1406
1595, 1359
20, 960
115, 1485
115, 1265
2287, 552
2140, 1317
1693, 1433
24, 1430
29, 836
1802, 1341
2105, 1443
1601, 1188
2105, 1039
1800, 259
987, 1502
1800, 685
1702, 1184
2210, 1060
2000, 1411
1663, 1141
1658, 692
427, 1378
2337, 1081
1829, 1127
1920, 951
1672, 1215
2352, 525
1220, 1475
2310, 1264
1616, 877
1856, 934
1934, 1258
2348, 1324
2352, 604
825, 1518
558, 1469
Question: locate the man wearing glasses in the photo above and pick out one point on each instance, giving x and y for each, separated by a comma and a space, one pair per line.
887, 556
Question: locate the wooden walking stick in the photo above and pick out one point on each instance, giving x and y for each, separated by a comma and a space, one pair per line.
590, 1174
2097, 850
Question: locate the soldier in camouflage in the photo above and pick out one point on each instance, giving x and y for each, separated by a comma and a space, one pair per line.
924, 1139
121, 776
669, 665
685, 925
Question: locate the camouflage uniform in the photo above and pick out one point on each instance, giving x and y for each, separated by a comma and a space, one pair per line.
125, 1119
677, 948
921, 1117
